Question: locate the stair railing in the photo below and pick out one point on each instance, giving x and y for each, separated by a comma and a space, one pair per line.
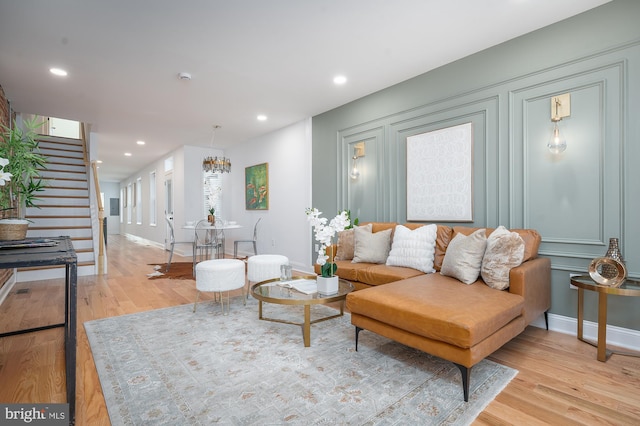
96, 183
94, 167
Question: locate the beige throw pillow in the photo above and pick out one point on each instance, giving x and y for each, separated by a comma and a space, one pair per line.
371, 247
463, 257
414, 248
505, 250
346, 242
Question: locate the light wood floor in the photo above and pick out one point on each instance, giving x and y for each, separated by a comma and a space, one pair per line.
560, 382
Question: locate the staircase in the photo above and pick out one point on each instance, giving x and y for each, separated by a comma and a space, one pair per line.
65, 206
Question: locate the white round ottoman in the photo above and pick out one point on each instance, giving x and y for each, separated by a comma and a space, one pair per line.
263, 267
220, 275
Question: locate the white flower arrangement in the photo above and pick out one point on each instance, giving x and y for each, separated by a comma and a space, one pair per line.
213, 195
325, 234
4, 176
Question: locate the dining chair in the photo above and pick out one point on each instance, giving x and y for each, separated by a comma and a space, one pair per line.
254, 241
205, 241
172, 240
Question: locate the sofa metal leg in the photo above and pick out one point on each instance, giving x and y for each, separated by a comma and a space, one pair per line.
466, 375
546, 319
358, 329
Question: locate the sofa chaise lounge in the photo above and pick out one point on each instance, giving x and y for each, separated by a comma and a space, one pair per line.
439, 314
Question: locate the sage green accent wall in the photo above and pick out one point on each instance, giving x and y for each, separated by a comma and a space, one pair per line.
577, 200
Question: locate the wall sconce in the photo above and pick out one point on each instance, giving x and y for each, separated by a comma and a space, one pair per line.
560, 108
358, 151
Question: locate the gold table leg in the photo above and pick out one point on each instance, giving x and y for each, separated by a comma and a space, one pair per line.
306, 328
602, 327
580, 312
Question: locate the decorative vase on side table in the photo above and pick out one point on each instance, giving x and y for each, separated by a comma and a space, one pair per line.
212, 219
609, 271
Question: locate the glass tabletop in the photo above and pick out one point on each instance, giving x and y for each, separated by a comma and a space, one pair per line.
629, 287
275, 291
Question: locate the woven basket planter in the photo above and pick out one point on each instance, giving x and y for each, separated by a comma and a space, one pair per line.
13, 229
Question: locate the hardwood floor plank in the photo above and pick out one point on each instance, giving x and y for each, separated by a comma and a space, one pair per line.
559, 380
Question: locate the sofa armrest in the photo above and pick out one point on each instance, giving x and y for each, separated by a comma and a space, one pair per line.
532, 280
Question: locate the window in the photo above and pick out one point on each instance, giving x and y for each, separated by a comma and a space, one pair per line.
153, 214
129, 203
139, 201
212, 192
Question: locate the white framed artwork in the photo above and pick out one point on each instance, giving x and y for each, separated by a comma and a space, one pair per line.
440, 175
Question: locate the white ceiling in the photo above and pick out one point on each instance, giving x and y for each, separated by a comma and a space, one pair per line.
246, 57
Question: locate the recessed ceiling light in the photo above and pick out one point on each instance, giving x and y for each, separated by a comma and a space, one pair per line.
58, 71
340, 79
262, 117
127, 154
140, 142
99, 161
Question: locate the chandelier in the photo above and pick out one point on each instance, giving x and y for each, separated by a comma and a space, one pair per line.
216, 164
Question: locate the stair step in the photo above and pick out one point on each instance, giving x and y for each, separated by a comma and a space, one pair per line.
51, 146
48, 228
72, 188
63, 206
59, 140
44, 216
81, 196
63, 159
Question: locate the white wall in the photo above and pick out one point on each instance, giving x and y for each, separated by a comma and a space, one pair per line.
284, 228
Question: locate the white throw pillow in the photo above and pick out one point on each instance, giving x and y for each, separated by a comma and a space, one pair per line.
414, 248
463, 257
505, 250
371, 247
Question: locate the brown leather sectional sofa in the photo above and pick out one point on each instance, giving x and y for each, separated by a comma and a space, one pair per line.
442, 316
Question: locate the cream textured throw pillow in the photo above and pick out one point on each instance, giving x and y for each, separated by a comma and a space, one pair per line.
414, 249
505, 250
463, 257
346, 242
371, 247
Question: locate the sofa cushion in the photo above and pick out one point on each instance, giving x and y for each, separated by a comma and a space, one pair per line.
413, 248
371, 247
530, 236
384, 274
439, 308
347, 270
505, 250
464, 256
443, 237
346, 241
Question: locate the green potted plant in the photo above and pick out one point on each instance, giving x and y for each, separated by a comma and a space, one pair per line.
21, 180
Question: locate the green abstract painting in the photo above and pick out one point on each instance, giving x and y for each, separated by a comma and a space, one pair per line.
256, 185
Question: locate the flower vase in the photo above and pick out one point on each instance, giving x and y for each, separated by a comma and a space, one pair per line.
212, 219
327, 285
610, 271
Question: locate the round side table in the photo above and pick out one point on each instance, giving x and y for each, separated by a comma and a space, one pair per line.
629, 287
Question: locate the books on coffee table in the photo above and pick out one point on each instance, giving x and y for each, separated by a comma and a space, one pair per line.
305, 286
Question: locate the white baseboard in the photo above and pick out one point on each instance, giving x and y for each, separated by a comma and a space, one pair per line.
616, 336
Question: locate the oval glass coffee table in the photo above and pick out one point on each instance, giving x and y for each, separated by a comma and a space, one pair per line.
272, 291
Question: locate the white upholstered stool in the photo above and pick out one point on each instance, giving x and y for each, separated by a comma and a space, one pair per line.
265, 267
220, 275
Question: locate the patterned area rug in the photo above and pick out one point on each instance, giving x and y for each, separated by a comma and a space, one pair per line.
175, 367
